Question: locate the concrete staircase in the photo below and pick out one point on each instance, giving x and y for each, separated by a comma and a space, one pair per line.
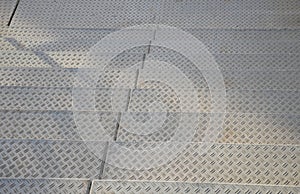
135, 96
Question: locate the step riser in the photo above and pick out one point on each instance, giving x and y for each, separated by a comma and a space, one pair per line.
67, 78
25, 186
173, 187
236, 128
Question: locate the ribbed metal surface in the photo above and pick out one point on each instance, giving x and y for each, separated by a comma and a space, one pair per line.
50, 159
242, 101
184, 14
181, 187
217, 47
212, 105
247, 80
56, 125
223, 163
237, 128
6, 10
230, 14
249, 62
42, 186
63, 78
88, 14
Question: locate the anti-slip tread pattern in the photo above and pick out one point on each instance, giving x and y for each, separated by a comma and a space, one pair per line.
237, 128
183, 14
56, 125
40, 186
6, 10
63, 117
181, 187
50, 159
221, 163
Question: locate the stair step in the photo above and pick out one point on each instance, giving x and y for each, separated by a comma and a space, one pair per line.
233, 79
214, 47
62, 99
51, 159
236, 128
106, 186
108, 14
172, 161
196, 162
41, 186
58, 125
6, 9
135, 127
78, 186
48, 33
151, 122
250, 62
102, 126
67, 78
116, 100
70, 59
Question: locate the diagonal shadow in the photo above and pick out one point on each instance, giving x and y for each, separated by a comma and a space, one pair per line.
40, 54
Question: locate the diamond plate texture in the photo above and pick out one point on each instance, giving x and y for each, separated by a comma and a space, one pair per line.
67, 42
258, 62
262, 80
222, 163
237, 80
41, 37
237, 35
226, 62
237, 128
180, 187
35, 99
65, 78
242, 101
215, 47
6, 10
57, 125
233, 80
88, 14
62, 59
50, 159
161, 127
249, 47
233, 14
41, 33
66, 45
41, 186
131, 12
269, 101
260, 129
60, 99
235, 61
253, 62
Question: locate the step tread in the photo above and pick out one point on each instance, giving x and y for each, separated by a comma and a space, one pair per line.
106, 186
66, 78
194, 162
182, 14
41, 186
48, 33
6, 9
102, 126
239, 62
214, 47
174, 161
51, 159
